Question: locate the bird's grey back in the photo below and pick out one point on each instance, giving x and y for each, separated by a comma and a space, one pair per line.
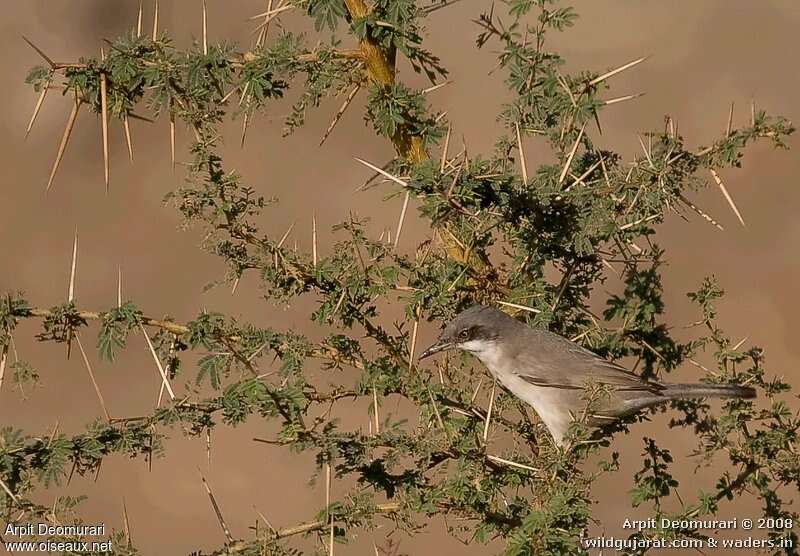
544, 355
513, 333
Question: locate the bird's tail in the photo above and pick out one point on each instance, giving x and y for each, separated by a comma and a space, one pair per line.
687, 391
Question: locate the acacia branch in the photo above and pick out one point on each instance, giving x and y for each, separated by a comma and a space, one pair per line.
306, 58
381, 71
380, 65
327, 353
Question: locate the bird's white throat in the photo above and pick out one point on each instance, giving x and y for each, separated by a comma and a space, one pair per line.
486, 350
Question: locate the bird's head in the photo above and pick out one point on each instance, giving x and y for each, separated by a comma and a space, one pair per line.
476, 330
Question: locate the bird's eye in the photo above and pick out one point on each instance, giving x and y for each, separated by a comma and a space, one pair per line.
464, 334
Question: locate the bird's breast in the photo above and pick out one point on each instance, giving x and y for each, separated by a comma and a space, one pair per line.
549, 403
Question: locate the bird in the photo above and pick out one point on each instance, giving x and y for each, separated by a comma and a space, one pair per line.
554, 374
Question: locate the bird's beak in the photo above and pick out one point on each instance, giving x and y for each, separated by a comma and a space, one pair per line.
435, 348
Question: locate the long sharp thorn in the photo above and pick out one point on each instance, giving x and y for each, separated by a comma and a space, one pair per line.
338, 304
217, 511
475, 393
265, 520
436, 410
489, 413
47, 58
369, 182
53, 434
64, 140
269, 17
579, 179
340, 113
172, 138
455, 178
285, 235
244, 129
55, 430
435, 87
91, 376
620, 69
262, 35
125, 523
597, 121
38, 107
520, 307
331, 540
445, 149
708, 218
730, 122
8, 491
119, 286
205, 29
521, 156
139, 21
646, 151
402, 218
568, 163
314, 239
270, 11
155, 21
327, 486
565, 86
727, 196
104, 116
382, 172
243, 96
164, 379
376, 410
126, 124
497, 459
73, 267
621, 99
228, 95
413, 347
3, 361
160, 395
739, 344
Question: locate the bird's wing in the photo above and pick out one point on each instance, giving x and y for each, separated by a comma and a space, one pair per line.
557, 362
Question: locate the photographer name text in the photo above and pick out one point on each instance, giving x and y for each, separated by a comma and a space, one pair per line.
745, 524
45, 537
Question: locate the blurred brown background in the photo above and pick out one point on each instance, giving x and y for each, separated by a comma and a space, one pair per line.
704, 56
